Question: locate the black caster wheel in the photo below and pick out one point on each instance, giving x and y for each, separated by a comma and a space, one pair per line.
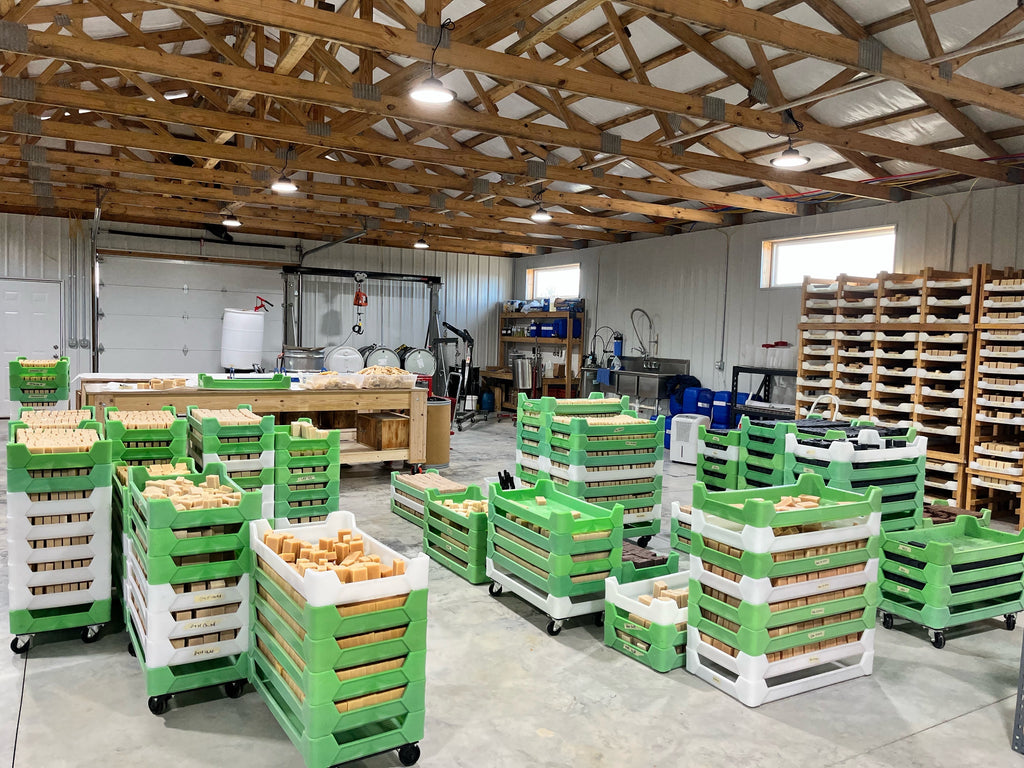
90, 634
1011, 620
887, 620
408, 754
643, 541
598, 619
939, 640
458, 427
158, 704
234, 689
554, 627
20, 645
494, 589
131, 649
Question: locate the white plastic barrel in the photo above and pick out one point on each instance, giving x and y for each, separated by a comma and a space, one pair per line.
241, 341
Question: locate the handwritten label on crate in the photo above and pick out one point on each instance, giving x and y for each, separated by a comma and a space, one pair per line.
206, 651
816, 635
305, 479
900, 588
632, 626
817, 611
826, 585
204, 624
823, 561
630, 649
904, 548
903, 569
208, 597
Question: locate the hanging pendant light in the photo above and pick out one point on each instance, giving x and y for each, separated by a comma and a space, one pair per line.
541, 215
432, 90
790, 157
284, 185
230, 220
421, 244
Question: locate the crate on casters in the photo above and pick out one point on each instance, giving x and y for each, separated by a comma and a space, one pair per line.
339, 639
58, 530
553, 550
947, 575
186, 575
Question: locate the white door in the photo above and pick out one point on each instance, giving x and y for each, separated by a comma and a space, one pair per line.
31, 312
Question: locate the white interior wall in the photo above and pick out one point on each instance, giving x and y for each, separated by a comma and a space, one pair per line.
39, 248
692, 284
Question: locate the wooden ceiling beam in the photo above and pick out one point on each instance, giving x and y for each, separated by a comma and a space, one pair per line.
835, 49
278, 86
298, 136
360, 34
553, 26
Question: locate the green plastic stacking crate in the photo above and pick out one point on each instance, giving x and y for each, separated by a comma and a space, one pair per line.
942, 576
323, 651
146, 446
681, 535
655, 634
307, 473
408, 501
457, 541
39, 384
548, 547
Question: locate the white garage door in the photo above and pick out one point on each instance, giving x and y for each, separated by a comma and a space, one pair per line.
165, 316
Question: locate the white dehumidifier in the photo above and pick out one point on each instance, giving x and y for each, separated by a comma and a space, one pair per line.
683, 441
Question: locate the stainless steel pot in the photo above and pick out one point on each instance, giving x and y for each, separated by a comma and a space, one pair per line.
303, 359
522, 373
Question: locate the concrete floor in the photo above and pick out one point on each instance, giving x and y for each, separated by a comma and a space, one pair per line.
500, 692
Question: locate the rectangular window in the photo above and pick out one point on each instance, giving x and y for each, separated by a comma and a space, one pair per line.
551, 282
861, 253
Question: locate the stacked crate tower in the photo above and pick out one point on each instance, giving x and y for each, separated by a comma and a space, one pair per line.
997, 448
455, 532
39, 384
186, 585
409, 493
595, 449
865, 457
140, 438
307, 471
943, 576
338, 653
239, 440
552, 549
58, 525
783, 589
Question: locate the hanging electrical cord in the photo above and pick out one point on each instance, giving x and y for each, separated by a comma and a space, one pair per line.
432, 90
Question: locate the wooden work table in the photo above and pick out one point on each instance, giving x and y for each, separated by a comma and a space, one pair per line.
328, 408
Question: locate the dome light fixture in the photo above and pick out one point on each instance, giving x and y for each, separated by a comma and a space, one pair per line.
230, 220
432, 90
284, 185
421, 244
541, 215
790, 157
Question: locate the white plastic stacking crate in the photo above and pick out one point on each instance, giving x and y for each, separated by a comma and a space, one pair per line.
23, 556
407, 501
575, 473
153, 606
265, 461
753, 680
763, 591
557, 608
639, 515
845, 451
528, 461
727, 453
664, 612
324, 588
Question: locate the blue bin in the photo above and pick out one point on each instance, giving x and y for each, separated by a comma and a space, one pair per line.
720, 409
697, 400
557, 329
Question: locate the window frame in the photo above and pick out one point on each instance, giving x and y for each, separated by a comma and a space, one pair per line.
768, 249
531, 274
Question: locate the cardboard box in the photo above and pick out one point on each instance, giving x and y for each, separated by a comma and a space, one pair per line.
558, 370
382, 431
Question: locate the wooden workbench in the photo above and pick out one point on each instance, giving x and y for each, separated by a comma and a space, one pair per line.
328, 409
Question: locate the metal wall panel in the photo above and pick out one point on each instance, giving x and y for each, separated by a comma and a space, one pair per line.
692, 283
398, 312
